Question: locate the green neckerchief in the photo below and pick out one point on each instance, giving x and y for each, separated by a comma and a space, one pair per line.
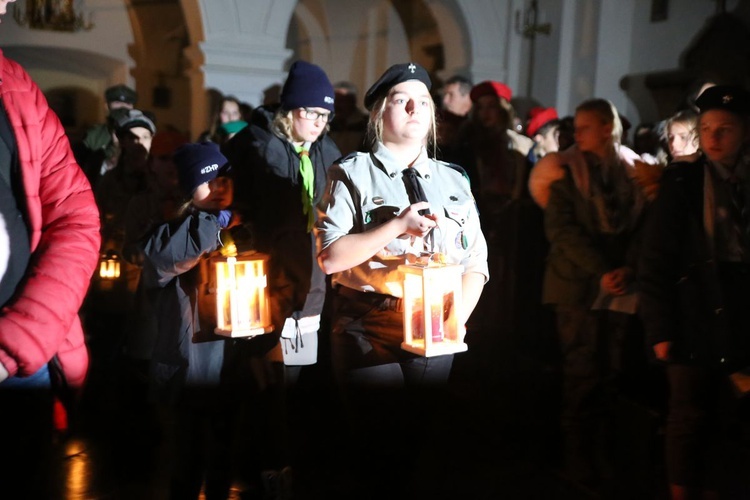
308, 183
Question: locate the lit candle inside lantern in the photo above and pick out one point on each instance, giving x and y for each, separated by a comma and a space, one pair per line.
242, 296
432, 291
109, 266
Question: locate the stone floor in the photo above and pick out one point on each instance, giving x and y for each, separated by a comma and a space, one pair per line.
500, 440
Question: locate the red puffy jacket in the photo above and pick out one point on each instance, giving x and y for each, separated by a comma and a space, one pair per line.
41, 319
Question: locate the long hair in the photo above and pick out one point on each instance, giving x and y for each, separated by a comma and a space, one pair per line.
375, 125
686, 117
216, 121
282, 123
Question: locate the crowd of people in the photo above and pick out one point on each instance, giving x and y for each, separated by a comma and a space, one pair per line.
571, 239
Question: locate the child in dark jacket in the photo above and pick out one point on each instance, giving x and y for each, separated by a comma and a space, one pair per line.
188, 358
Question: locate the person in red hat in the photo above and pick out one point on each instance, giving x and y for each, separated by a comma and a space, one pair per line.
499, 153
544, 129
496, 156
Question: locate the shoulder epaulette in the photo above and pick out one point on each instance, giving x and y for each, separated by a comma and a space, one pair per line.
349, 156
457, 168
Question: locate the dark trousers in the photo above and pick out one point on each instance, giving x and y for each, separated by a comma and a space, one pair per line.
703, 430
28, 461
591, 343
200, 434
393, 399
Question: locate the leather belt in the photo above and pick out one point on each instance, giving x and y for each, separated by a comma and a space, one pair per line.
381, 301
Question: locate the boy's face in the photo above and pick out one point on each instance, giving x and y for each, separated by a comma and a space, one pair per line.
550, 140
722, 135
214, 195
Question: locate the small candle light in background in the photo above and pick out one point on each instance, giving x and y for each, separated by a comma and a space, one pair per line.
109, 266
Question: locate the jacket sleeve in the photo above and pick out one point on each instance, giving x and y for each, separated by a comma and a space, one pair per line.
64, 223
659, 264
567, 233
174, 248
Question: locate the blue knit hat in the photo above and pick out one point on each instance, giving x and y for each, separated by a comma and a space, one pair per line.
198, 163
307, 86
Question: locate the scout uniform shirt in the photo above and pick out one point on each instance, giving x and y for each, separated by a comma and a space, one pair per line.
367, 189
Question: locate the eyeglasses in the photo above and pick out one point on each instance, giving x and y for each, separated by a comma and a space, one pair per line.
311, 114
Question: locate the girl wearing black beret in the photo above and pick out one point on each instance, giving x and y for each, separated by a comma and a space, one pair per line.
380, 210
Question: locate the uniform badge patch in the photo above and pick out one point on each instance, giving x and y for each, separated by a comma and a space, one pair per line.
461, 241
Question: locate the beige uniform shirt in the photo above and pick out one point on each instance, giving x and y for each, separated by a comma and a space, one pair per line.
367, 189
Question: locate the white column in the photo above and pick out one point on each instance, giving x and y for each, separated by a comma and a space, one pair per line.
614, 53
245, 72
487, 24
245, 45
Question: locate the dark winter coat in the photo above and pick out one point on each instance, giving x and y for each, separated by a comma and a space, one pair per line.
186, 351
681, 292
268, 195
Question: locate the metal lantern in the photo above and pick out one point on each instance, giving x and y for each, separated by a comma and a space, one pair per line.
242, 303
109, 266
432, 296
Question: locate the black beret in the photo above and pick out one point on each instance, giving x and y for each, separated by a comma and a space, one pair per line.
398, 73
121, 93
729, 98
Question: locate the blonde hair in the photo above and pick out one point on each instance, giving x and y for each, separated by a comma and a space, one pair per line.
607, 112
375, 125
283, 124
686, 117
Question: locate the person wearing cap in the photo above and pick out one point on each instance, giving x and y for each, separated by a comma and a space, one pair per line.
543, 129
280, 161
98, 150
380, 210
108, 304
135, 130
694, 275
495, 156
158, 203
498, 152
188, 373
592, 221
